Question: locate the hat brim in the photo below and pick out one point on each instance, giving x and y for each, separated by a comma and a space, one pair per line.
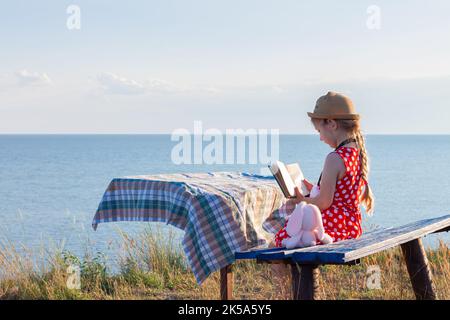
350, 116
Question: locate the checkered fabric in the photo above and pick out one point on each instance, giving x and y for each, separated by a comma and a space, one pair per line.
220, 212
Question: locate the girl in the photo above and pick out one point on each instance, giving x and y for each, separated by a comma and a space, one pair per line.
344, 181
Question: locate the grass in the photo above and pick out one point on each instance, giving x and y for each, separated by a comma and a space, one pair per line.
152, 268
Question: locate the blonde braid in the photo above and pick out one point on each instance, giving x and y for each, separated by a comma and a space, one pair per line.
367, 198
353, 128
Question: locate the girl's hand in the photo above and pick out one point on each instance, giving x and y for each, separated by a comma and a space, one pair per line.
308, 184
299, 197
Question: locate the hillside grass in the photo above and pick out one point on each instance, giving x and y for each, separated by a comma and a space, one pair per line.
153, 269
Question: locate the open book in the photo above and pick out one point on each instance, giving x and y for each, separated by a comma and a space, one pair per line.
288, 177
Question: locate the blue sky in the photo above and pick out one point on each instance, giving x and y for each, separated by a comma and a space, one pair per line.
155, 66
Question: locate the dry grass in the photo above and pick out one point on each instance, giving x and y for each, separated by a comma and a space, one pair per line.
155, 269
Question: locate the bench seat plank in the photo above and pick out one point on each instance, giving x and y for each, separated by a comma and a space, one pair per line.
252, 253
346, 251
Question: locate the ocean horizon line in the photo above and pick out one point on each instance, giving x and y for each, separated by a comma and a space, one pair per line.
166, 134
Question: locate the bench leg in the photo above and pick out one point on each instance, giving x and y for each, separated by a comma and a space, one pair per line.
418, 269
305, 284
226, 283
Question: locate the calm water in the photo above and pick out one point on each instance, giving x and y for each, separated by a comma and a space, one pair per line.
50, 185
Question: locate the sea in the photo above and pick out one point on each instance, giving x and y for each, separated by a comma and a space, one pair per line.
51, 185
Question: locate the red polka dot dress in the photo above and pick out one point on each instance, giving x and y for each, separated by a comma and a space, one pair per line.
342, 220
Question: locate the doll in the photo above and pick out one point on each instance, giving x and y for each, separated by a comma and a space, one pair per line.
305, 227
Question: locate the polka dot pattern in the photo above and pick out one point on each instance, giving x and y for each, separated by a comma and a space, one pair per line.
342, 220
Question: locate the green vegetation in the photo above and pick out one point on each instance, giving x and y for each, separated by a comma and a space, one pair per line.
151, 268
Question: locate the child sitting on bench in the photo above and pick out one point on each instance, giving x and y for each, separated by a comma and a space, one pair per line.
345, 173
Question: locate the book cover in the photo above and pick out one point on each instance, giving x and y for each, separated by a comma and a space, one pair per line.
288, 177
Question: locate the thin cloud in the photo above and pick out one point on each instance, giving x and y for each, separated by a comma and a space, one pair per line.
117, 85
114, 84
158, 85
26, 78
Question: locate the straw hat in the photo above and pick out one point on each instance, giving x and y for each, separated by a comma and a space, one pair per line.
334, 105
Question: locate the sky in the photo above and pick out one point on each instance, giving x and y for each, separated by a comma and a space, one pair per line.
157, 66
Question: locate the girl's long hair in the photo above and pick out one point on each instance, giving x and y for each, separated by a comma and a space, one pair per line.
354, 129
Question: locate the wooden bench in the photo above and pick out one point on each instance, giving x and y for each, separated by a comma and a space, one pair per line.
349, 252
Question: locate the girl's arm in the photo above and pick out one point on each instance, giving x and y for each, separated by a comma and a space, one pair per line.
333, 166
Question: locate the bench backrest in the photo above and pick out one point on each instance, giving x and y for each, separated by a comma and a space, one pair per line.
346, 251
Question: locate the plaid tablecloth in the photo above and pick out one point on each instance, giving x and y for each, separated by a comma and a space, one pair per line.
220, 212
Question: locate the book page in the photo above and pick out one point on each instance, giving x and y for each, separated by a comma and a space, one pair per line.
279, 170
297, 176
